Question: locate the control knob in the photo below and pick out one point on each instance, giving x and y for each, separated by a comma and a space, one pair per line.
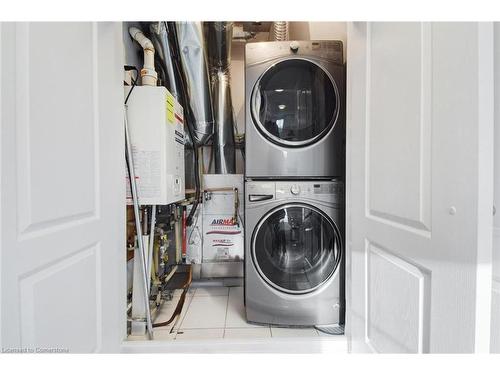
295, 189
294, 46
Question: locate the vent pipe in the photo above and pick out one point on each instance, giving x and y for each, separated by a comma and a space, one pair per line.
280, 30
219, 37
148, 72
162, 44
194, 65
165, 40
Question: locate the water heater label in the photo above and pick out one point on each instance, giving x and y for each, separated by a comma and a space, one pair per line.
170, 102
147, 169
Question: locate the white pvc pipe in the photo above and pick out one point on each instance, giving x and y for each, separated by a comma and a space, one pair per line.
148, 72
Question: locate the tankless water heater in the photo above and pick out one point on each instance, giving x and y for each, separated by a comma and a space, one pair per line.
155, 121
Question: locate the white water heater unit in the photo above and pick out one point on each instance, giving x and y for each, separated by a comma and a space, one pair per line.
156, 127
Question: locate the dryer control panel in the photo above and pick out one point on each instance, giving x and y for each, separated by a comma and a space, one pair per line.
326, 49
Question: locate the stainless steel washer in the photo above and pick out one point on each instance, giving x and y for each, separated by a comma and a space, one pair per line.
294, 252
295, 116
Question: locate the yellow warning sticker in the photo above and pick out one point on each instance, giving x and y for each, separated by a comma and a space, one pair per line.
170, 108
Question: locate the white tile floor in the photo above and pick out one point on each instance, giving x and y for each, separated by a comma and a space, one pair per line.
216, 313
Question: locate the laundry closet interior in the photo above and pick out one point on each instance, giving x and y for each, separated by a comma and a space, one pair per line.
248, 221
250, 186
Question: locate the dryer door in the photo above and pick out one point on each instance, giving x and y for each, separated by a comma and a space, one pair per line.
295, 103
296, 248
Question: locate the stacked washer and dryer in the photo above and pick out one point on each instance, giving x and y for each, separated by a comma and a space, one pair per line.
294, 191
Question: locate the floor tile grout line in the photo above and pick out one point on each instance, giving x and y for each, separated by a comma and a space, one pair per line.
173, 328
226, 293
187, 309
206, 297
222, 328
197, 307
201, 329
225, 318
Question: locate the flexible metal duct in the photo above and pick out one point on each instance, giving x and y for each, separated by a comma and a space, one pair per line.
194, 64
219, 48
280, 30
159, 36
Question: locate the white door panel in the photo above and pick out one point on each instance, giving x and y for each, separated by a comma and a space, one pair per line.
419, 106
495, 303
62, 187
400, 69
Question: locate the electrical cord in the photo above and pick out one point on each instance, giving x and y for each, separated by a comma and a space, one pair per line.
192, 231
134, 81
162, 75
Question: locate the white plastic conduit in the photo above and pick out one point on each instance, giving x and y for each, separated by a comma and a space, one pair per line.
148, 72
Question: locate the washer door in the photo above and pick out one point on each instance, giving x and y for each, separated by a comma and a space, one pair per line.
295, 103
296, 248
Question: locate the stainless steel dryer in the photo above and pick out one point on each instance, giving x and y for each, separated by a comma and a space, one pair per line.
295, 116
294, 252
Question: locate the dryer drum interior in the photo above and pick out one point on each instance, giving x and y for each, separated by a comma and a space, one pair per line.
296, 248
295, 103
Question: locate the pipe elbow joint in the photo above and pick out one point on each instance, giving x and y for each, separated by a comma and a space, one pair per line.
148, 73
139, 36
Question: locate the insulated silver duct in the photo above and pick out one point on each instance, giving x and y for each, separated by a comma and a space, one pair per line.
194, 64
163, 35
160, 40
219, 39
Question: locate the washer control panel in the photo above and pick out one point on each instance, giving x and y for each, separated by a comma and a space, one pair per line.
322, 191
295, 189
325, 191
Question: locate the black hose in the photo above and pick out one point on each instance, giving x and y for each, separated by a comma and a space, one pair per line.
162, 75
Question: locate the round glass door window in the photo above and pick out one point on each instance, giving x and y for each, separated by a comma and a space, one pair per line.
296, 248
295, 103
